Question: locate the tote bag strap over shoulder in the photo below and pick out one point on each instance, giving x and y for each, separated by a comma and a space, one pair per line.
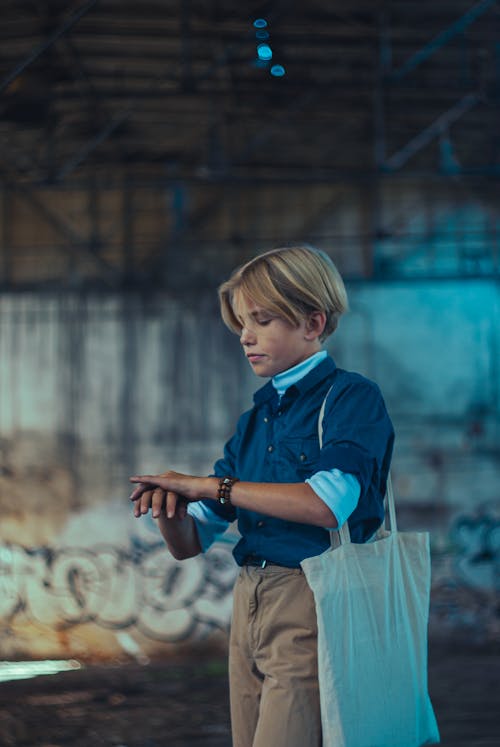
343, 535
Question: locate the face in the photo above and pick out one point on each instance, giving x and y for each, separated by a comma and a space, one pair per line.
271, 344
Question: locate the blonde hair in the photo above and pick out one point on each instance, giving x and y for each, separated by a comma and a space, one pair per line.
291, 282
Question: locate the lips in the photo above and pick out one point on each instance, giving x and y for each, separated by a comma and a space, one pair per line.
254, 357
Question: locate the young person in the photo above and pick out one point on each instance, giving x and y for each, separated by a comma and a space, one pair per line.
284, 491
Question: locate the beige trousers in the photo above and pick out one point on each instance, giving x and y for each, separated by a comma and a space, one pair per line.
273, 671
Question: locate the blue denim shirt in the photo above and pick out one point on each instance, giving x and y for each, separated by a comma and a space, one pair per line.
277, 441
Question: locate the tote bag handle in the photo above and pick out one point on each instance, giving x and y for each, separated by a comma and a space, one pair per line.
343, 536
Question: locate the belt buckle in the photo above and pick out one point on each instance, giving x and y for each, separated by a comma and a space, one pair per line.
263, 564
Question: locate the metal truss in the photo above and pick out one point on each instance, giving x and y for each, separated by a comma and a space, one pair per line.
236, 167
438, 129
439, 41
40, 49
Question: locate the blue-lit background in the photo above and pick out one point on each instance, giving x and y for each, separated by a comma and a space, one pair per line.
148, 149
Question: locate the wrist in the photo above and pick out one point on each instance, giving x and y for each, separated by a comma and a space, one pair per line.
224, 489
211, 488
200, 489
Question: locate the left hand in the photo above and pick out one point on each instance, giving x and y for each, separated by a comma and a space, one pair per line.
169, 492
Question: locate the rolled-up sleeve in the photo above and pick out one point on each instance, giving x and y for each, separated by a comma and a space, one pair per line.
357, 432
340, 492
209, 525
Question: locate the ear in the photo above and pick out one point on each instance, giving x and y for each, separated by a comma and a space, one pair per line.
315, 324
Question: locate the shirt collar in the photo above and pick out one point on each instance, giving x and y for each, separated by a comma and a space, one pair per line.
320, 371
282, 381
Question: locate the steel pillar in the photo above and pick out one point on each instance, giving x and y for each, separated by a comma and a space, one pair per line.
6, 270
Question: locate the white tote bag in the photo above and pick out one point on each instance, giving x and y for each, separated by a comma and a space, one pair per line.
372, 605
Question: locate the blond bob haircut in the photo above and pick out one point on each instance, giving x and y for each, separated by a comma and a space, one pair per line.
290, 282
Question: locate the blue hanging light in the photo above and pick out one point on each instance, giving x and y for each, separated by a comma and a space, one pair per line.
264, 52
278, 71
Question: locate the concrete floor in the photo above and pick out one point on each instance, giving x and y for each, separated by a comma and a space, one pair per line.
185, 703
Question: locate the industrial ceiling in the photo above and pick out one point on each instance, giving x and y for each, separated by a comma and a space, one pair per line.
212, 93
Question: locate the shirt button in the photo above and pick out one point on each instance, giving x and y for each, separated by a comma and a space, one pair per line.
260, 524
270, 448
266, 420
302, 457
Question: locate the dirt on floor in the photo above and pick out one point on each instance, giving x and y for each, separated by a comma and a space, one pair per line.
184, 703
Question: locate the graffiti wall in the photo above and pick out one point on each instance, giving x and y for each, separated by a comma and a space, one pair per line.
466, 579
93, 389
105, 599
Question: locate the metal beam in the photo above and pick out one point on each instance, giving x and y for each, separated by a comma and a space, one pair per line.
74, 242
382, 64
195, 221
296, 175
321, 213
155, 84
128, 232
41, 48
92, 144
441, 39
124, 114
398, 159
5, 245
97, 101
186, 51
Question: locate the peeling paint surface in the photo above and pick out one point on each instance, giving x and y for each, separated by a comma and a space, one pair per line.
95, 388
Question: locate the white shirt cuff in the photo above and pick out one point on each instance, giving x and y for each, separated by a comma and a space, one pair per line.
339, 490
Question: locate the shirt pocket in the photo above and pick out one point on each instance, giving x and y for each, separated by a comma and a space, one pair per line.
300, 457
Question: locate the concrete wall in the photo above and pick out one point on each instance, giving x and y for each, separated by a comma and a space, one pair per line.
94, 388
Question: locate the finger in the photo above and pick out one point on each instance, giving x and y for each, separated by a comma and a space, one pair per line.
138, 491
146, 496
153, 479
172, 499
147, 500
144, 504
158, 502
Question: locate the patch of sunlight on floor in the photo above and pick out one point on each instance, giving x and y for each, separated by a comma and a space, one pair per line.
24, 670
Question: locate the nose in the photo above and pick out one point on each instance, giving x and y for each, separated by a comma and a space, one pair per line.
246, 336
